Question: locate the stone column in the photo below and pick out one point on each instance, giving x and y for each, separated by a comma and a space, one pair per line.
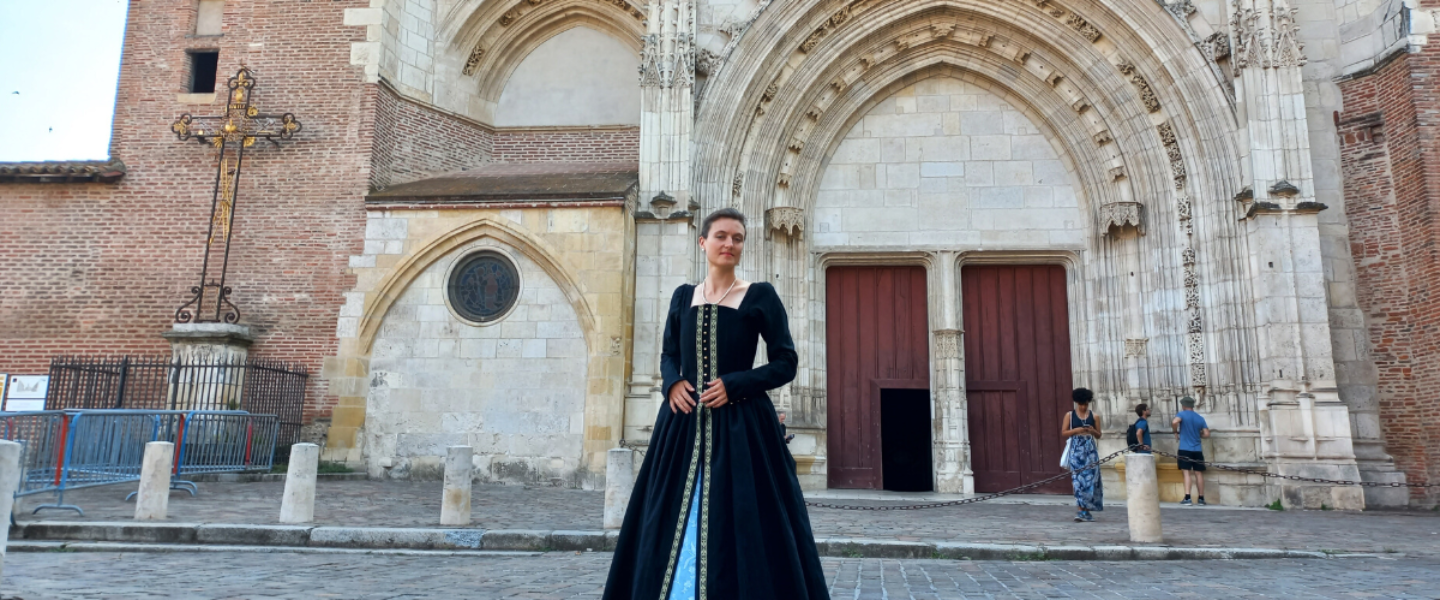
11, 454
1305, 427
455, 505
1142, 498
1123, 225
952, 445
298, 503
209, 344
619, 483
785, 266
667, 104
664, 239
664, 244
152, 501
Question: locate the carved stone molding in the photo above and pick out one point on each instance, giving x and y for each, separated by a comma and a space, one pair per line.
1182, 9
840, 17
473, 62
1136, 348
787, 220
1147, 95
1082, 26
947, 344
1069, 18
1217, 46
650, 70
707, 63
1118, 215
1172, 151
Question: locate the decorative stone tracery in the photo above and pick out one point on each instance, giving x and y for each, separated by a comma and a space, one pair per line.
1119, 215
1267, 39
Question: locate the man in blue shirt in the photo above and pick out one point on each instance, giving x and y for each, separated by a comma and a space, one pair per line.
1191, 427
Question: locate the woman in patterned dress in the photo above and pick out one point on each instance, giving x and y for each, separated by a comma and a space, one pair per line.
1081, 427
717, 511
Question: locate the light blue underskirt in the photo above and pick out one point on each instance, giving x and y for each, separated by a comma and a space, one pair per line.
685, 569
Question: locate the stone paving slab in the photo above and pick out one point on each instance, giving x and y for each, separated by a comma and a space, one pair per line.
567, 576
416, 504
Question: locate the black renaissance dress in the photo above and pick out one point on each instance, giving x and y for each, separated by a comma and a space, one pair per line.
730, 463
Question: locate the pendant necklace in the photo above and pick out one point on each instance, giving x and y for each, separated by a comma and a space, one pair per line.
722, 296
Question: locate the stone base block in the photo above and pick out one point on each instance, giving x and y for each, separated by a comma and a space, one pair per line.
1384, 497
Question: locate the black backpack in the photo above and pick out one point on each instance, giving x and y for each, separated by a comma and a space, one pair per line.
1132, 438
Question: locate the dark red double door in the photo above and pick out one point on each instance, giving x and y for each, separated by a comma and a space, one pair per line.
1017, 365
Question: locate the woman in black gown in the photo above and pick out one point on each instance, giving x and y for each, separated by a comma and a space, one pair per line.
717, 512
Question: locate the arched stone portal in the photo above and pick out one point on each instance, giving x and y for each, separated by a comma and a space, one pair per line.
1162, 285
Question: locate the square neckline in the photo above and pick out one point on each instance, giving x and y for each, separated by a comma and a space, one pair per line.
736, 308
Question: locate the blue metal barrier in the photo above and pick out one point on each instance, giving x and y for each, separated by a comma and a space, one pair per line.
67, 450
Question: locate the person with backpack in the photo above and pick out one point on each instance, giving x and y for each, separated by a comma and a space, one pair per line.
1139, 432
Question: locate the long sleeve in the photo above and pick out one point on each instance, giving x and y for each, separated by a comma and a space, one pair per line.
671, 370
779, 347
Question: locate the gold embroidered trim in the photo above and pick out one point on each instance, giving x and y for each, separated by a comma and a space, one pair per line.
700, 372
714, 373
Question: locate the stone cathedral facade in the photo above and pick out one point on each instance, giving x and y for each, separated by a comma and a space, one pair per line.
973, 205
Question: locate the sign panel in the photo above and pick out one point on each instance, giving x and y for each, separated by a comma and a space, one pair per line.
26, 392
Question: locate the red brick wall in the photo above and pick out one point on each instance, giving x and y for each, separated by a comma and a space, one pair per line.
95, 268
584, 145
1389, 134
414, 141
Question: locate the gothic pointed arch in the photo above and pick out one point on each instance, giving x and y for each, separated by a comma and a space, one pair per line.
413, 266
1145, 126
489, 39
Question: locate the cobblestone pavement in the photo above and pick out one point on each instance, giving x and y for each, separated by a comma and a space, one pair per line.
225, 576
417, 504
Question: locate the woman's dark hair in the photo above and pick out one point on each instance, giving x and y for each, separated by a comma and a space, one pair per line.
724, 213
1082, 396
1140, 410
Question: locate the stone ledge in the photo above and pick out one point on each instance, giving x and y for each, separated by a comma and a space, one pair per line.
396, 537
539, 540
270, 477
253, 535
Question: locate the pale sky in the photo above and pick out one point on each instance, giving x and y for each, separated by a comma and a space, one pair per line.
59, 61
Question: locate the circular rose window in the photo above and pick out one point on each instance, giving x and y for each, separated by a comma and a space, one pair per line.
483, 287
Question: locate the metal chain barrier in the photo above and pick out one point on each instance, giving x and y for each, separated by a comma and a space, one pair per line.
1016, 490
637, 448
1372, 484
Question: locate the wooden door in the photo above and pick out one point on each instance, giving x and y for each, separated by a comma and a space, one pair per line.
877, 337
1017, 373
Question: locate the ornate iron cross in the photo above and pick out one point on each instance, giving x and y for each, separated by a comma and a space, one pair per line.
230, 133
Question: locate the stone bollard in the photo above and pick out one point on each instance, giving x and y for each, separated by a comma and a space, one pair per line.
619, 482
455, 505
1142, 498
152, 501
10, 456
298, 504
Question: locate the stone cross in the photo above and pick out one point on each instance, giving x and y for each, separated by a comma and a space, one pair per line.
231, 133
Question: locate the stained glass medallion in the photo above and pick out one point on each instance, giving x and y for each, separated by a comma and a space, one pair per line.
483, 287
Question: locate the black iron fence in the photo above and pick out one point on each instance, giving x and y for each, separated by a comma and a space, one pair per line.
162, 383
